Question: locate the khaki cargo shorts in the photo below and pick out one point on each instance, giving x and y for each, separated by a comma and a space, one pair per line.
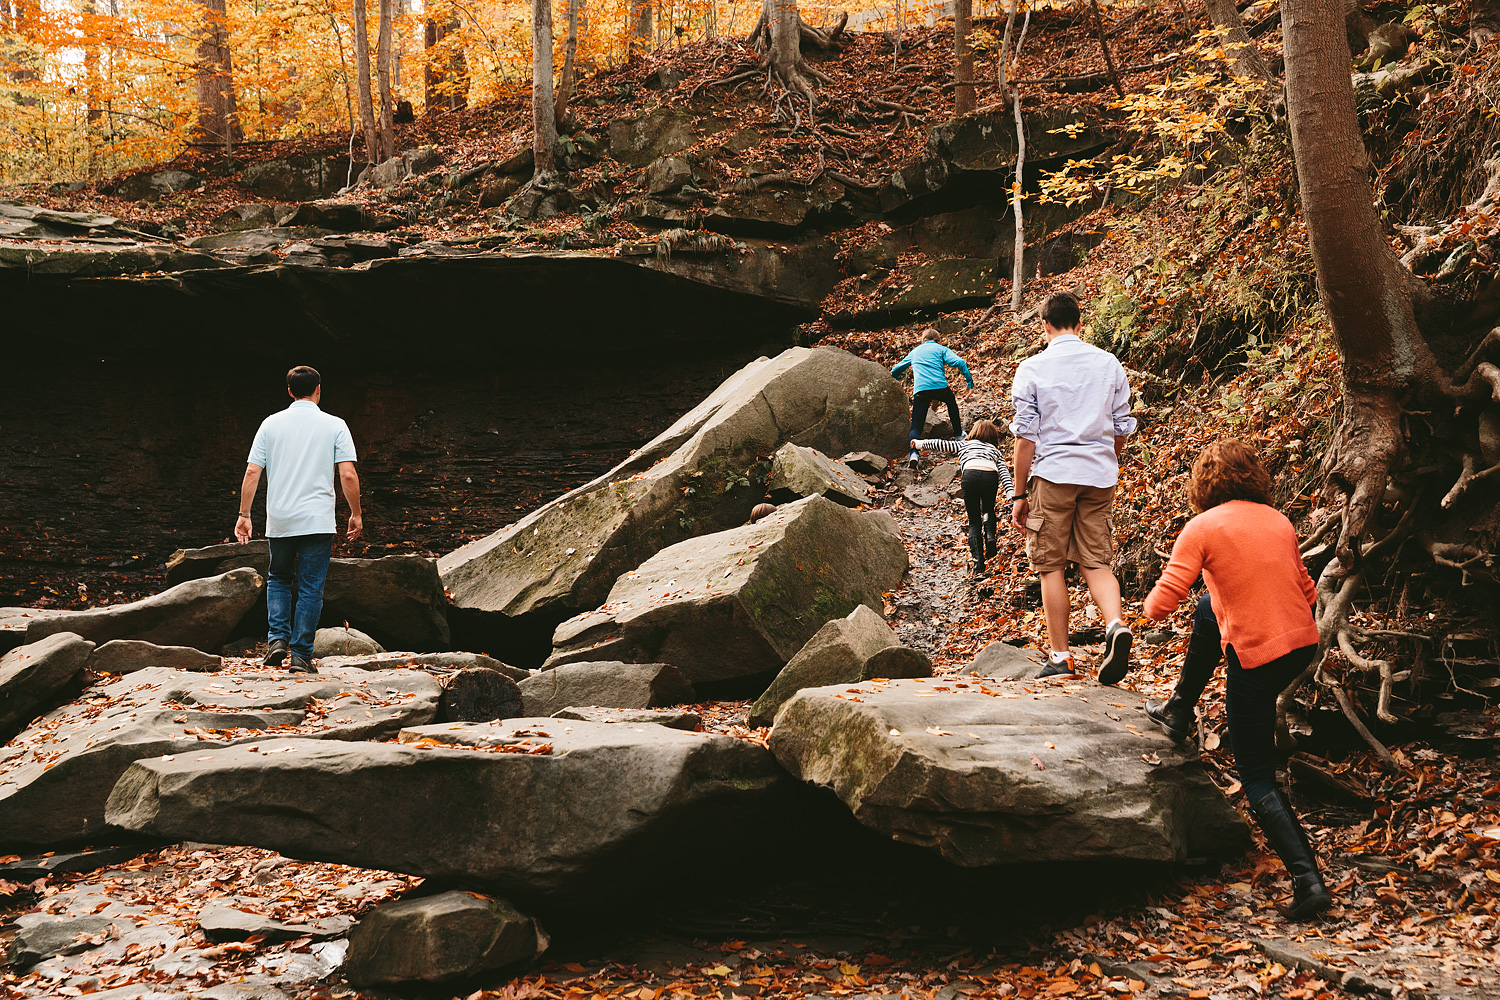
1069, 524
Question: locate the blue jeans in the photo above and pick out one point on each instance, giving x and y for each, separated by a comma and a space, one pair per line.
294, 589
1250, 695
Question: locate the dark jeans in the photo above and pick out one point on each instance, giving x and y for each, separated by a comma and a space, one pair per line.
294, 589
923, 400
1250, 695
980, 489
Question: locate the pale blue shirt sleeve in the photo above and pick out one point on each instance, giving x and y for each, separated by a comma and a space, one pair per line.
1028, 414
1124, 422
343, 445
901, 367
949, 358
258, 449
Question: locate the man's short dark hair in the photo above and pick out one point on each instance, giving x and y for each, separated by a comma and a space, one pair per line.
931, 334
303, 381
1060, 311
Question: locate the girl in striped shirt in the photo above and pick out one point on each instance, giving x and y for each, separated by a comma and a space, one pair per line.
984, 471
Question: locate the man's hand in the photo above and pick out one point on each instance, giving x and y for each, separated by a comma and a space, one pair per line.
1018, 514
356, 527
242, 529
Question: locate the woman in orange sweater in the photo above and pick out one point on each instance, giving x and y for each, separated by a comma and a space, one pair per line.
1257, 616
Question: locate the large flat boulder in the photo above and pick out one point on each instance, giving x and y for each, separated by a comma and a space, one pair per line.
36, 676
453, 935
439, 663
199, 613
605, 685
987, 774
531, 807
123, 656
398, 600
741, 603
701, 475
841, 653
56, 775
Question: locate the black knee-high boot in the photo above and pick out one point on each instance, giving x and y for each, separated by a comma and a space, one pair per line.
1175, 715
1289, 840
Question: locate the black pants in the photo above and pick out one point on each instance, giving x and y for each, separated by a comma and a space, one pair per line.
981, 486
924, 399
1249, 697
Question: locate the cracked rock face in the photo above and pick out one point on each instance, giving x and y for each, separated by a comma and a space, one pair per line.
56, 775
533, 807
985, 774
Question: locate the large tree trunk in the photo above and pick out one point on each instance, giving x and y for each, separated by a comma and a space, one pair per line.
963, 59
1244, 57
362, 82
640, 28
218, 116
14, 51
447, 73
570, 63
543, 115
93, 86
386, 133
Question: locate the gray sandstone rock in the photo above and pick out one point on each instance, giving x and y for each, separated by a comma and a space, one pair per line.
922, 496
984, 774
453, 935
223, 921
837, 654
479, 694
35, 676
672, 719
299, 178
1003, 661
200, 613
121, 656
798, 472
344, 642
572, 806
865, 463
741, 602
152, 184
606, 685
668, 174
40, 936
55, 780
433, 662
703, 474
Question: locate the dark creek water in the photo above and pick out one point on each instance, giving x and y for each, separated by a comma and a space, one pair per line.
108, 466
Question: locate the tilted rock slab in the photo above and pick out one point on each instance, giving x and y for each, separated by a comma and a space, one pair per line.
798, 472
35, 676
123, 656
742, 602
200, 613
701, 475
986, 774
528, 806
56, 776
840, 654
609, 684
397, 599
430, 939
432, 662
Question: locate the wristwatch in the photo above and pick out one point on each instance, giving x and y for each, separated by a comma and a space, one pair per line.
1018, 496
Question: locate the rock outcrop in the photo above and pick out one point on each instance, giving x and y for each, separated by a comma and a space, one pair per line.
123, 656
798, 472
344, 641
453, 935
844, 651
438, 663
985, 774
605, 685
200, 613
741, 603
56, 775
398, 600
34, 677
703, 474
532, 807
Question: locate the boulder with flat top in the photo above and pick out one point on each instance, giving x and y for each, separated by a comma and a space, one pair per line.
607, 685
741, 603
798, 472
36, 676
200, 613
431, 939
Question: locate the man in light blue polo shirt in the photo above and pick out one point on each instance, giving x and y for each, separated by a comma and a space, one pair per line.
299, 450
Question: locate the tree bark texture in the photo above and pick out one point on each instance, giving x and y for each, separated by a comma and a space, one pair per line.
641, 31
964, 100
446, 84
1244, 57
543, 115
218, 116
386, 133
570, 62
362, 81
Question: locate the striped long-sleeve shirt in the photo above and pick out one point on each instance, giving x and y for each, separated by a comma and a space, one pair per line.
973, 454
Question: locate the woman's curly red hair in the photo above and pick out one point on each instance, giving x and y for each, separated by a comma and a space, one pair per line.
1226, 470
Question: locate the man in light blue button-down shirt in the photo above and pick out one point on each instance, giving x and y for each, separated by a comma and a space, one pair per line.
1072, 417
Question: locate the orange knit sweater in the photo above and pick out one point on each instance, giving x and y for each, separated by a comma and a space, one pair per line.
1261, 592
